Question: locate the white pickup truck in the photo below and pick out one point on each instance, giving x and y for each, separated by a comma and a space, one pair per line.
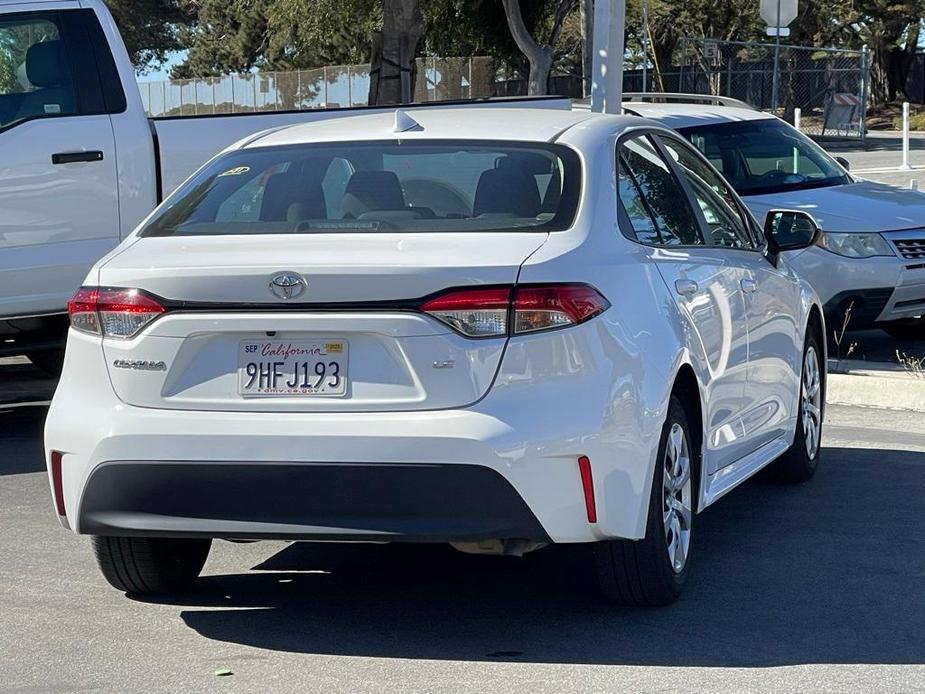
80, 162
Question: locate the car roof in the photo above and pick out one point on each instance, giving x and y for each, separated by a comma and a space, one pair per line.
675, 115
447, 123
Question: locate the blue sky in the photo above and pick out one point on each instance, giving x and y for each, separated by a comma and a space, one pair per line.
164, 72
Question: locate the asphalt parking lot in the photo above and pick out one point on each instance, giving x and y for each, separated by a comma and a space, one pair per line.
810, 588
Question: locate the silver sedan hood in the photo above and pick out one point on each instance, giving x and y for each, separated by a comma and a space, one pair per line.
862, 206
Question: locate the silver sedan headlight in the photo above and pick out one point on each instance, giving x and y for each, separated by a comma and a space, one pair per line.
856, 245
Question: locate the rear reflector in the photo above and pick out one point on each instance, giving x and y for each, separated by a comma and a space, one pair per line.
587, 486
112, 312
496, 311
57, 483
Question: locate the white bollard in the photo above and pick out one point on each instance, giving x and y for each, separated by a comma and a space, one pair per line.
913, 184
797, 114
905, 165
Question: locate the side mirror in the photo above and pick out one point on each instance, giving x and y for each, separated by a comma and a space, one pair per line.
845, 164
789, 230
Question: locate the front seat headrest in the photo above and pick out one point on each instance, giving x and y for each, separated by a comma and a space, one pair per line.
45, 64
288, 196
372, 190
506, 191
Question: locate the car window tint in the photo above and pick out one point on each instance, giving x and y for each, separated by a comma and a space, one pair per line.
665, 199
380, 186
35, 77
637, 212
727, 227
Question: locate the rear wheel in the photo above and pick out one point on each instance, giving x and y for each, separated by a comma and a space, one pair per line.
799, 463
150, 565
652, 571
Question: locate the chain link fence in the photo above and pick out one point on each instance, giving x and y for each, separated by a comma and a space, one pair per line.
438, 79
829, 85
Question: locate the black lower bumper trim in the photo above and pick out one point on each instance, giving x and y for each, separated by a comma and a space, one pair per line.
866, 306
320, 501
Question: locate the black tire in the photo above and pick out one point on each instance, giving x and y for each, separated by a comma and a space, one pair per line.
150, 565
640, 573
910, 329
798, 464
50, 361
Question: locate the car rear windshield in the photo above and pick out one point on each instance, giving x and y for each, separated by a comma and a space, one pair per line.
384, 187
759, 157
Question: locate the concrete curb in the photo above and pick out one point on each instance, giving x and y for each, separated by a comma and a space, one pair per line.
887, 388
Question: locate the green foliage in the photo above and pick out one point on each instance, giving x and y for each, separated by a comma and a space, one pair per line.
15, 40
225, 36
276, 34
150, 28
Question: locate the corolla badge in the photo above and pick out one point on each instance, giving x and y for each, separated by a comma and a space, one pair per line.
140, 365
287, 285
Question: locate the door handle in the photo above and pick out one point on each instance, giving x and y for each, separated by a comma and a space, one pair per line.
686, 287
749, 286
74, 157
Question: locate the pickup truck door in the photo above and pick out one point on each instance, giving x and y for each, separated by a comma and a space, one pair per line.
59, 194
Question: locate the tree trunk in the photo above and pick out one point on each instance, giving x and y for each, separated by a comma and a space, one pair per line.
586, 8
393, 51
539, 57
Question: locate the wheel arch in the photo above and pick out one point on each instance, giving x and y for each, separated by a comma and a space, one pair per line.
687, 389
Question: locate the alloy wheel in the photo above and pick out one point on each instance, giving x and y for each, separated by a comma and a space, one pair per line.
812, 402
677, 497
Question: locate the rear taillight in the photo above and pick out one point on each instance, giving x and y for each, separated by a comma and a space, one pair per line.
473, 312
112, 311
496, 311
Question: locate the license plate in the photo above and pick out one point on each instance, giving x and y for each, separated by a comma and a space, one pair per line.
283, 368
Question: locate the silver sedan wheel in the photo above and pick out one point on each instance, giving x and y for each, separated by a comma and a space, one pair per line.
812, 402
677, 496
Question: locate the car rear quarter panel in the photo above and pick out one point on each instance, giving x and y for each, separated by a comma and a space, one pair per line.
634, 351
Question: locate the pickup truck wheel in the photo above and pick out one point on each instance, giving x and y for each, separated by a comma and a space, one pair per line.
652, 571
908, 329
150, 565
799, 463
50, 361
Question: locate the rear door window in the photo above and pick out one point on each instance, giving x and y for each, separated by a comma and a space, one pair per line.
724, 220
420, 186
654, 201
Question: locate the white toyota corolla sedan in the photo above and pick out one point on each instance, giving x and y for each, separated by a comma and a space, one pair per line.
495, 328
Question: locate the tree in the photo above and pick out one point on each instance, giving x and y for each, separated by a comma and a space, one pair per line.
150, 28
238, 35
393, 52
539, 55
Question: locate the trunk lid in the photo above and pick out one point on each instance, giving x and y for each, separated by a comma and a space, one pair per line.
358, 301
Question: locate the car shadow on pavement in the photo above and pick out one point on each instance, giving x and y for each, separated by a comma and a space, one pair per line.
21, 438
827, 572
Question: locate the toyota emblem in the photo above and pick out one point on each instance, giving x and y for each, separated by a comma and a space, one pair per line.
287, 285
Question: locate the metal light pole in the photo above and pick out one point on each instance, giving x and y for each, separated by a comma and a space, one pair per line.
607, 72
775, 82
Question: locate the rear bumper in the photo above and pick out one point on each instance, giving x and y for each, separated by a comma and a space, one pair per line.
504, 468
318, 501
